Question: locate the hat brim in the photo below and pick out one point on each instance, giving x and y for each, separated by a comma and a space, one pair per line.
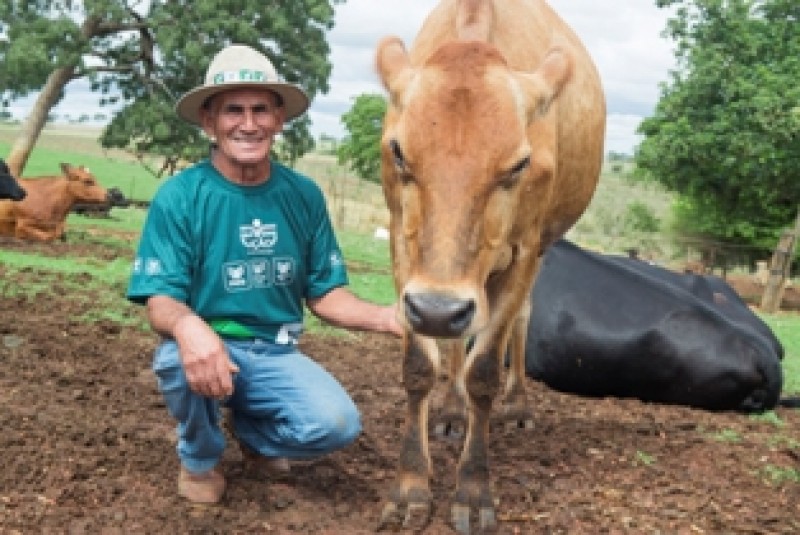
295, 101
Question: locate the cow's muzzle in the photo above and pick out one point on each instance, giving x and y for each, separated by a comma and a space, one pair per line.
438, 315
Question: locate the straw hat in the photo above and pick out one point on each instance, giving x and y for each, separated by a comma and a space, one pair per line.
239, 66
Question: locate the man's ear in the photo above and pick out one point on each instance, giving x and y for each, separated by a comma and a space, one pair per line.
207, 122
280, 118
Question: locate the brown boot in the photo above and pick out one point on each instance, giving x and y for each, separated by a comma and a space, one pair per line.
205, 487
261, 466
254, 462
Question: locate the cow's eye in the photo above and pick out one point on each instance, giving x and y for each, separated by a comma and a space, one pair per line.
512, 176
400, 161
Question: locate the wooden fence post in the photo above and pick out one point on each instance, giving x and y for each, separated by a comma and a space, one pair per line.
780, 269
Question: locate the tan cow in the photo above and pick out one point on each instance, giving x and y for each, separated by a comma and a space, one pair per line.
491, 150
43, 213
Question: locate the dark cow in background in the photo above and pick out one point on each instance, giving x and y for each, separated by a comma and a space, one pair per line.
615, 326
9, 187
114, 199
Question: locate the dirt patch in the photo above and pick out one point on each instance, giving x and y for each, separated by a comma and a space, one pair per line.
87, 447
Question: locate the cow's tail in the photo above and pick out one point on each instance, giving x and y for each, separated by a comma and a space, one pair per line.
790, 402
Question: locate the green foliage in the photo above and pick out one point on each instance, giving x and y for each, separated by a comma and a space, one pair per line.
769, 417
640, 218
781, 474
125, 220
153, 52
643, 458
726, 132
101, 273
727, 435
360, 149
787, 328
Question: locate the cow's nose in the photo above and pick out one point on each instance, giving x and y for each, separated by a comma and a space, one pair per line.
438, 315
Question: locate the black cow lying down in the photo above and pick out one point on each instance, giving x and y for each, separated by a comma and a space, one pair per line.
615, 326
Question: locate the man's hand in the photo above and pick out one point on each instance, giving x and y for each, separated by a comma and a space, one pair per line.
393, 326
205, 360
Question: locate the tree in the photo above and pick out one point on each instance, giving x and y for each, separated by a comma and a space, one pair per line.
360, 149
144, 55
726, 132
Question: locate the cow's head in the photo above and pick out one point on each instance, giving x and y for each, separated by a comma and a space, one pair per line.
467, 166
83, 185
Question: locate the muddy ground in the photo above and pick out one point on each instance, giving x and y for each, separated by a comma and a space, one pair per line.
87, 446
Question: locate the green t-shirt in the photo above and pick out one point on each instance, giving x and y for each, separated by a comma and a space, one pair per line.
242, 257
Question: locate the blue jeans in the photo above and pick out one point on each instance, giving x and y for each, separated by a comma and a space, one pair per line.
284, 405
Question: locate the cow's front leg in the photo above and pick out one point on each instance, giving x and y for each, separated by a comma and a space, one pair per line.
409, 503
515, 409
450, 420
473, 488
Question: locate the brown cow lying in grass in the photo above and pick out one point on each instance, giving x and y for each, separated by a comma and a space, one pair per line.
42, 214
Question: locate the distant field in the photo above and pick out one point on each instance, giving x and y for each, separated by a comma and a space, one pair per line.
78, 145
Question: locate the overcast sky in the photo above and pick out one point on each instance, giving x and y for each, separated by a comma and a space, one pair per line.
624, 38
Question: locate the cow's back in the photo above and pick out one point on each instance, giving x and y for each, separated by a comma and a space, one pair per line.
44, 208
524, 31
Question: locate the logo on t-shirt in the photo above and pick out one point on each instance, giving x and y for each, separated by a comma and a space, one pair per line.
258, 237
247, 275
152, 267
284, 271
236, 278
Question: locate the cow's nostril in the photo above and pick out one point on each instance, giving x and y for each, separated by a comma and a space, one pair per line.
438, 315
462, 317
412, 312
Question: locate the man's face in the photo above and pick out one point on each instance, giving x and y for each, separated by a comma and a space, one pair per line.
244, 123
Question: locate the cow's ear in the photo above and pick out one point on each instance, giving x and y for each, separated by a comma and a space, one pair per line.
66, 168
394, 67
543, 85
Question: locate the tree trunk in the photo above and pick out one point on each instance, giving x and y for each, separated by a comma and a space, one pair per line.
50, 95
780, 269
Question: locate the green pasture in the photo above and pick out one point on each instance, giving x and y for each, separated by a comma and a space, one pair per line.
112, 168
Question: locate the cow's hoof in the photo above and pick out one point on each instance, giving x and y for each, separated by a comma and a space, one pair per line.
522, 423
391, 517
449, 429
415, 516
460, 517
515, 413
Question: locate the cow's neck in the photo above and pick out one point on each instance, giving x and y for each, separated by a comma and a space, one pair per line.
59, 199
